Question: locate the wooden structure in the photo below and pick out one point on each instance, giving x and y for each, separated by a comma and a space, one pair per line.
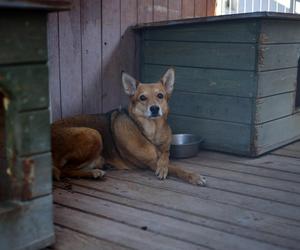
90, 45
25, 158
248, 204
236, 78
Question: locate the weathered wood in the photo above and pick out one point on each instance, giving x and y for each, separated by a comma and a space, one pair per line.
67, 239
30, 27
285, 152
200, 8
70, 61
30, 222
160, 10
245, 32
117, 232
209, 81
54, 66
218, 135
44, 5
224, 108
210, 7
111, 86
230, 56
170, 227
276, 82
187, 8
145, 11
293, 146
27, 84
174, 9
90, 18
274, 107
26, 129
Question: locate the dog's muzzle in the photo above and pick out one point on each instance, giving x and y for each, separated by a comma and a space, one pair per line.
155, 111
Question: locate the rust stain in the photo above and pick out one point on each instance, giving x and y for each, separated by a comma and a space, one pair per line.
263, 38
28, 170
261, 55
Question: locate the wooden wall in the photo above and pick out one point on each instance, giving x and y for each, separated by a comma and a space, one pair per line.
90, 45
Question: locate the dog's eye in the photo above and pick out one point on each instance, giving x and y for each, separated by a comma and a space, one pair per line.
143, 98
160, 96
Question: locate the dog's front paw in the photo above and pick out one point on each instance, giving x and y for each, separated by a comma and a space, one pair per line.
197, 179
161, 172
97, 173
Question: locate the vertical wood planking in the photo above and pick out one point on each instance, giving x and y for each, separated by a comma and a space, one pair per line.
111, 30
145, 11
210, 7
174, 9
160, 8
200, 8
91, 55
70, 60
54, 66
188, 7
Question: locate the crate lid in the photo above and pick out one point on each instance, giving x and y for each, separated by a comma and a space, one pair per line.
46, 5
222, 18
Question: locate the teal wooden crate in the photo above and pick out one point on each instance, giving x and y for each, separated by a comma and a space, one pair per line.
236, 78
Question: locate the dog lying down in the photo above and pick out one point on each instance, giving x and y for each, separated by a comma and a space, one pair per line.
138, 137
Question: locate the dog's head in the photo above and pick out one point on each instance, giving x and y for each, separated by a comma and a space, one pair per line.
149, 100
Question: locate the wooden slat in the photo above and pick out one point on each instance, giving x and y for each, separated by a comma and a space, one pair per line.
116, 232
209, 81
211, 6
91, 56
170, 227
201, 207
111, 71
174, 9
204, 106
187, 8
70, 60
200, 8
230, 56
145, 11
67, 239
160, 10
54, 66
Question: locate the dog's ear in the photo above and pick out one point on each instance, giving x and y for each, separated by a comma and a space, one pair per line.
129, 84
168, 80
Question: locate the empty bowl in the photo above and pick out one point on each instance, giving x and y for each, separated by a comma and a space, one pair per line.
184, 145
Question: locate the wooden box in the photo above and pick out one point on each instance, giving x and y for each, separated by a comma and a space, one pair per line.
236, 78
26, 220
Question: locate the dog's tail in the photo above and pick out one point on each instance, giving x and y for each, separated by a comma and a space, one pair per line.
190, 177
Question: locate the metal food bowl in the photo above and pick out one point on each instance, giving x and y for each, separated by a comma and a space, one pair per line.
184, 145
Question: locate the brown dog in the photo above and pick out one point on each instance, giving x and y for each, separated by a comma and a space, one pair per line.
137, 137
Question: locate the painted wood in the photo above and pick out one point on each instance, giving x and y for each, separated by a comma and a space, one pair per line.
213, 81
174, 9
245, 32
111, 89
274, 107
131, 237
215, 107
230, 56
200, 8
31, 28
54, 66
26, 129
117, 195
28, 85
278, 56
188, 8
276, 82
145, 11
168, 226
270, 136
70, 61
218, 135
90, 18
210, 7
160, 10
30, 223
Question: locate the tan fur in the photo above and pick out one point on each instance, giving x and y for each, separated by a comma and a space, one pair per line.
137, 139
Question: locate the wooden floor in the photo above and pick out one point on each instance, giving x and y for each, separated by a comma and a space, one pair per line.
248, 204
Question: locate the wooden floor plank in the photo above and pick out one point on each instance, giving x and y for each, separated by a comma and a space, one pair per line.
68, 239
295, 146
194, 219
170, 227
201, 207
116, 232
287, 153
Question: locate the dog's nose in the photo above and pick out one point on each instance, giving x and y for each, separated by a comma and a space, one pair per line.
154, 110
